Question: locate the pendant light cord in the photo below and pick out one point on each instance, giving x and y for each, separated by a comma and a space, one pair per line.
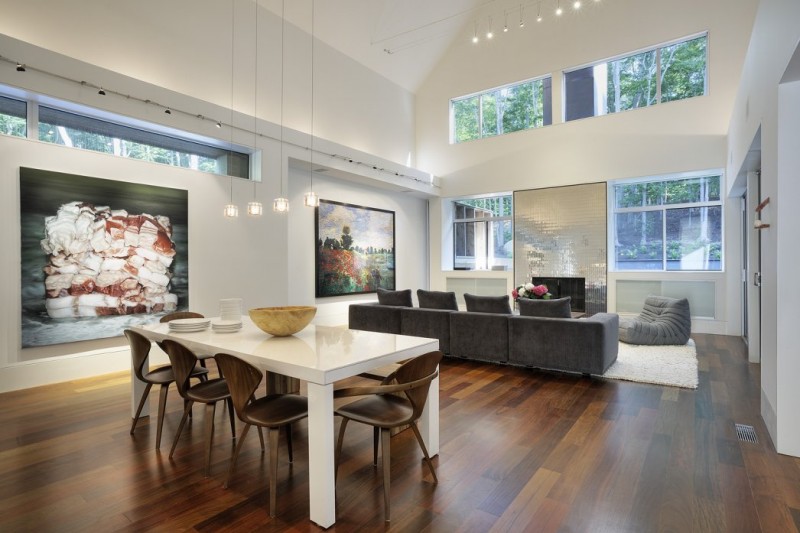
283, 75
311, 174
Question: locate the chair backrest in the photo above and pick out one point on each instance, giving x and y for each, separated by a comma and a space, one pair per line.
243, 380
140, 349
180, 314
183, 362
423, 370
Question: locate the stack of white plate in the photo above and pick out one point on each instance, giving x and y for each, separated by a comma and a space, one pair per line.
226, 326
230, 309
188, 325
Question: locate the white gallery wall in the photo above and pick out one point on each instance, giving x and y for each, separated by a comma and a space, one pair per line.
770, 100
178, 54
681, 136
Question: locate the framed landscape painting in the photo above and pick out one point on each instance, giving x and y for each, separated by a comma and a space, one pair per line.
98, 255
354, 249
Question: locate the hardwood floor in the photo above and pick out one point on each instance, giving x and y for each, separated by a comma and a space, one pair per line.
521, 450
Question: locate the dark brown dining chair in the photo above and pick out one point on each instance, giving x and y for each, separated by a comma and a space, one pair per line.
178, 315
272, 411
383, 410
208, 392
140, 350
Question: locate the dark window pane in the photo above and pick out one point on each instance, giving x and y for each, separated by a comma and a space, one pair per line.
683, 70
638, 241
579, 93
13, 114
694, 238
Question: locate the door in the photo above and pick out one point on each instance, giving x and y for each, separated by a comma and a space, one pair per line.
752, 277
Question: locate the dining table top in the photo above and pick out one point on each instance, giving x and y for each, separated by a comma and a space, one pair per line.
319, 353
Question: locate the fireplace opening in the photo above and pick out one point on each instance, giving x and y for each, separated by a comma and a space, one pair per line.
575, 288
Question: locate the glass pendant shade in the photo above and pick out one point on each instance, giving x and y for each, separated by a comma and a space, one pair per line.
311, 199
231, 210
255, 209
280, 205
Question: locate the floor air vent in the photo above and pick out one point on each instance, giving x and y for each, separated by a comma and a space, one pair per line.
746, 433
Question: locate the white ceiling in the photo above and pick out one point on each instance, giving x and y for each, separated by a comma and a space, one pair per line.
402, 40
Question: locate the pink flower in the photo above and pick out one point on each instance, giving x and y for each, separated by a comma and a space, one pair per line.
540, 290
514, 294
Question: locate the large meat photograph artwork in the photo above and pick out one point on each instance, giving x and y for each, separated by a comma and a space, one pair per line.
98, 255
354, 249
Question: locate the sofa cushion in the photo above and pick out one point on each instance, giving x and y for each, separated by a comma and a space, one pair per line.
399, 298
488, 304
433, 323
557, 308
480, 336
374, 317
437, 300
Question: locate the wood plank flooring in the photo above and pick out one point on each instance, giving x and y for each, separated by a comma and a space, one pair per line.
521, 450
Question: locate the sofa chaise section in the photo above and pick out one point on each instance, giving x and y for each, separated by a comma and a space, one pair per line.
588, 346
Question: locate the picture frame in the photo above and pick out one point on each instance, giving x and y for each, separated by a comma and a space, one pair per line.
355, 249
98, 255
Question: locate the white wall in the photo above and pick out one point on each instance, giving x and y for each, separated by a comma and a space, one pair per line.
153, 51
774, 39
675, 137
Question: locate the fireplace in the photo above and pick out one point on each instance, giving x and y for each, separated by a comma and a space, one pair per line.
575, 288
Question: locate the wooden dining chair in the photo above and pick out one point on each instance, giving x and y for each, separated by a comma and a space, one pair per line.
383, 410
208, 392
178, 315
272, 411
163, 376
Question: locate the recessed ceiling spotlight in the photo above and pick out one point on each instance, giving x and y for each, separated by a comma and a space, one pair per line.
576, 4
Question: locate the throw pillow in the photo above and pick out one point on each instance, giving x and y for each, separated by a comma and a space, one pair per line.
399, 298
488, 304
437, 300
558, 308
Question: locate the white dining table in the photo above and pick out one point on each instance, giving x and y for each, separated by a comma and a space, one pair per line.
320, 355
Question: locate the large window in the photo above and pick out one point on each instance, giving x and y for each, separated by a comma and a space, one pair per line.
498, 111
80, 131
671, 224
12, 117
483, 234
672, 72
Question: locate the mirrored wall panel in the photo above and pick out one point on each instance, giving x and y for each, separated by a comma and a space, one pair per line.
560, 240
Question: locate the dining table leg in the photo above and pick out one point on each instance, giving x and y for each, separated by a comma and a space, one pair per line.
322, 489
428, 423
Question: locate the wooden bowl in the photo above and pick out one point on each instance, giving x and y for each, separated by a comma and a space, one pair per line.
282, 321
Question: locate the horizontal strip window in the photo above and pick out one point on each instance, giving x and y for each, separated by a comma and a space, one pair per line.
665, 73
504, 110
13, 115
79, 131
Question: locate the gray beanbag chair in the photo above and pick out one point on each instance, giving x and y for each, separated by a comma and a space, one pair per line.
662, 321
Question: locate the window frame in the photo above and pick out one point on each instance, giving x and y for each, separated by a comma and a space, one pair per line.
482, 93
487, 221
654, 48
613, 211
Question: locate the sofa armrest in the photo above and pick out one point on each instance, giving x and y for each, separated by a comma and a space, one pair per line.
374, 317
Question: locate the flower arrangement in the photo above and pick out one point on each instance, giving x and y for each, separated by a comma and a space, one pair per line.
531, 291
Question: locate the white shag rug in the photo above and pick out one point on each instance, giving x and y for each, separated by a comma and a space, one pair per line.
661, 365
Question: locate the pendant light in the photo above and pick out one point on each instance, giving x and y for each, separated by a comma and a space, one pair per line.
254, 208
231, 210
311, 199
281, 203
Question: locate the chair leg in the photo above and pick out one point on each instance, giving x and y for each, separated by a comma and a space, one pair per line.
273, 468
386, 456
236, 453
232, 416
162, 407
375, 436
141, 405
261, 438
187, 408
211, 409
424, 451
289, 442
338, 454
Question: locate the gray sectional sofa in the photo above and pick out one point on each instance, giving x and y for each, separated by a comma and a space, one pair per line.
587, 346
